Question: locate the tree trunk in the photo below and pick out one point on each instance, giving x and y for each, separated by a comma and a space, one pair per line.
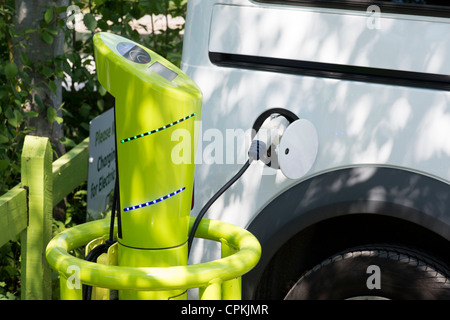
29, 15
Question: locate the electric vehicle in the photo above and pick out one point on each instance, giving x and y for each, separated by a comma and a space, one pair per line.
373, 79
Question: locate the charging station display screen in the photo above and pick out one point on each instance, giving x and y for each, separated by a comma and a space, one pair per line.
163, 71
133, 52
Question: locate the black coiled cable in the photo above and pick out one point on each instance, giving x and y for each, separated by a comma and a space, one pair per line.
102, 248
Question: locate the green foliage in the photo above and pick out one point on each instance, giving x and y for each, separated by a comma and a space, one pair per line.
10, 271
90, 99
75, 212
82, 95
14, 94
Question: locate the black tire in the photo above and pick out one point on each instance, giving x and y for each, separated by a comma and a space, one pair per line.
404, 274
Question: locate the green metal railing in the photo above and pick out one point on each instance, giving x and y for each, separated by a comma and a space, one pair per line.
218, 279
26, 211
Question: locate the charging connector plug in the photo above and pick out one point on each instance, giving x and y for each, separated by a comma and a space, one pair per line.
258, 150
268, 136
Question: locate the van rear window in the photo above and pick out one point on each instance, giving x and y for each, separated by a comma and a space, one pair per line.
439, 8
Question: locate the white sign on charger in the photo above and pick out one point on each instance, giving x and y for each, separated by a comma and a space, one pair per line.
102, 164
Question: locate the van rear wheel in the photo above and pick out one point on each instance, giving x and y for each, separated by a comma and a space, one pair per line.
375, 272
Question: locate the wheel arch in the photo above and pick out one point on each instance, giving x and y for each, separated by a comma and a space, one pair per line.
341, 208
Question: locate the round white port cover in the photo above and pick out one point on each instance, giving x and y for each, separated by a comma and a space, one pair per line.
297, 150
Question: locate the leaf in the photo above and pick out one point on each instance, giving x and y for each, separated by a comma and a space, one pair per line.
47, 71
90, 22
39, 101
48, 15
69, 143
24, 57
18, 116
52, 86
85, 126
11, 70
85, 110
52, 116
59, 72
31, 114
61, 9
61, 23
61, 106
10, 296
13, 122
3, 139
4, 164
9, 112
101, 104
101, 90
52, 31
46, 37
15, 92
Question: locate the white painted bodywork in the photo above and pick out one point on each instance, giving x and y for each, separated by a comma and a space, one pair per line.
358, 123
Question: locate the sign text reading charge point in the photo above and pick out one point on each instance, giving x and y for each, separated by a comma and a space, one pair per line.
102, 163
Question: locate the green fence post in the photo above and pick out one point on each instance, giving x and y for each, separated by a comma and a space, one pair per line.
37, 176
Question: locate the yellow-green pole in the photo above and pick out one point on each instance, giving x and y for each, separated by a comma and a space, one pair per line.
213, 291
231, 289
71, 287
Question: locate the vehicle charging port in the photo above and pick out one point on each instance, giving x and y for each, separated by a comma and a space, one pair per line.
269, 133
268, 128
283, 141
264, 145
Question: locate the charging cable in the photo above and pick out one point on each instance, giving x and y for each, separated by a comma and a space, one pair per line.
268, 134
211, 201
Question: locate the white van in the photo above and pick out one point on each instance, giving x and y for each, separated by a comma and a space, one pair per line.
371, 217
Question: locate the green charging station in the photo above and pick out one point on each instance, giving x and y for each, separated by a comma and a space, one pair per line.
152, 99
145, 257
